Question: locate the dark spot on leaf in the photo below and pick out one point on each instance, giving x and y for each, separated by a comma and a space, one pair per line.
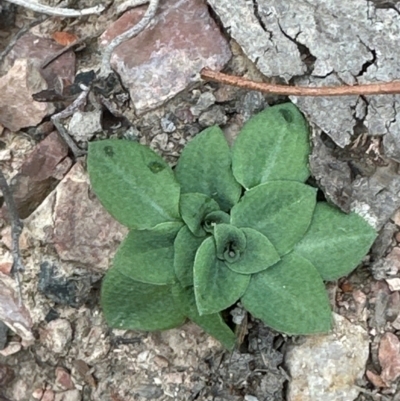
156, 167
109, 151
287, 115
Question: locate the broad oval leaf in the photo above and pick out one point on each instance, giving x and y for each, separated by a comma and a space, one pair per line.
216, 287
230, 242
194, 208
280, 210
272, 145
336, 242
131, 305
185, 246
213, 324
205, 167
133, 183
148, 255
258, 256
290, 297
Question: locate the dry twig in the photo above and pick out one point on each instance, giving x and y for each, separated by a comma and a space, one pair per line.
60, 12
134, 31
380, 88
16, 229
130, 4
78, 102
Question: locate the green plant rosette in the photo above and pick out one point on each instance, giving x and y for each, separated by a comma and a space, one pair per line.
225, 225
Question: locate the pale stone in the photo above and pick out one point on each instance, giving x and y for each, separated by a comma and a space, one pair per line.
84, 125
394, 283
57, 336
70, 395
326, 367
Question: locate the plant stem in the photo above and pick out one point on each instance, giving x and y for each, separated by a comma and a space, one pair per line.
379, 88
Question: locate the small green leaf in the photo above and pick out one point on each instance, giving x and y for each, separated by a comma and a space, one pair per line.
133, 183
213, 324
336, 242
258, 256
214, 218
131, 305
280, 210
290, 297
186, 245
205, 167
230, 242
194, 207
148, 255
216, 287
273, 145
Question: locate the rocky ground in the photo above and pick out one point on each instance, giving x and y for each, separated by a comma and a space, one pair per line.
58, 346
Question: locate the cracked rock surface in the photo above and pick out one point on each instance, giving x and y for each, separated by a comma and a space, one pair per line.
321, 43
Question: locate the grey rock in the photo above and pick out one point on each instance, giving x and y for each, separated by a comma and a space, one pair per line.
251, 103
326, 367
169, 55
84, 125
372, 194
150, 392
321, 43
383, 241
167, 125
214, 116
264, 43
205, 100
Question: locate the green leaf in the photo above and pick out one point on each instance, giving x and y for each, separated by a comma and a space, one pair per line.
212, 324
133, 183
186, 245
280, 210
205, 167
290, 297
194, 208
258, 256
230, 242
336, 242
273, 145
214, 218
129, 304
148, 255
216, 287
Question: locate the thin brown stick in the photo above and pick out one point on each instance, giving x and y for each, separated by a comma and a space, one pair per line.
380, 88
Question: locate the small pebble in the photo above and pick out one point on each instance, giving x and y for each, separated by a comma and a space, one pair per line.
57, 336
167, 125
